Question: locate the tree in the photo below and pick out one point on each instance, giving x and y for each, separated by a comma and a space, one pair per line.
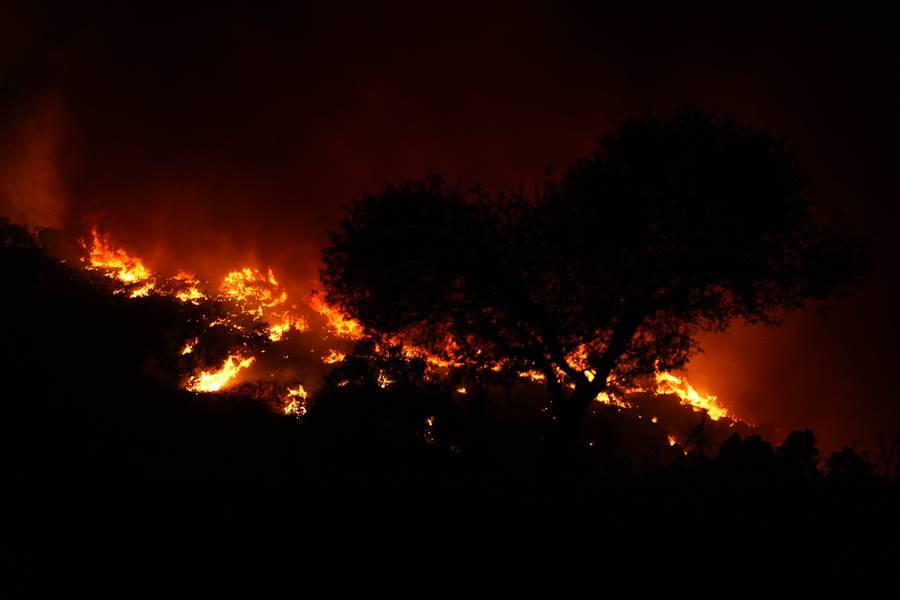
675, 224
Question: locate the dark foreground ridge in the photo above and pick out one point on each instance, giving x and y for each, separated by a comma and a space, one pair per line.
113, 474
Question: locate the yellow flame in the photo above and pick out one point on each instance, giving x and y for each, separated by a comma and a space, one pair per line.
384, 380
142, 291
250, 286
532, 375
115, 261
666, 383
428, 433
189, 347
278, 330
333, 356
337, 321
295, 401
213, 381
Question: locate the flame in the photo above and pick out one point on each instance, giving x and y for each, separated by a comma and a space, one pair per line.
256, 293
142, 291
115, 262
337, 321
213, 381
252, 290
532, 375
333, 356
666, 383
672, 440
192, 292
384, 380
288, 321
428, 433
295, 401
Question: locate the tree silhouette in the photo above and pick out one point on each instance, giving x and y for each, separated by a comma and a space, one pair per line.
674, 225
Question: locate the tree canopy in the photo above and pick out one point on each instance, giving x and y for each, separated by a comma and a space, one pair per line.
675, 224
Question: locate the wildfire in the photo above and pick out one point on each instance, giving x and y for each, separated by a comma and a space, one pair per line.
213, 381
666, 383
115, 262
251, 292
333, 357
339, 323
143, 290
295, 401
287, 322
189, 292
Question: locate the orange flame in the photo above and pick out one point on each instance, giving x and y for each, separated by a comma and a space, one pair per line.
295, 401
666, 383
213, 381
337, 321
115, 262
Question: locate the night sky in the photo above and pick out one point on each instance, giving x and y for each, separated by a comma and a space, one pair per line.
203, 138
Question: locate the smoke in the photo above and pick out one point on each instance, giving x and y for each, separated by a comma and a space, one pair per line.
32, 192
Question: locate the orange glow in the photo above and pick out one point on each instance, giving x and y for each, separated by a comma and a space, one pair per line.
337, 321
251, 292
666, 383
213, 381
142, 291
295, 401
384, 380
278, 330
428, 433
115, 262
333, 356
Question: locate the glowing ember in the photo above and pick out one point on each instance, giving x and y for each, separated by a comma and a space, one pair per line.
213, 381
278, 330
384, 380
532, 375
295, 401
672, 440
115, 261
189, 347
666, 383
333, 356
428, 433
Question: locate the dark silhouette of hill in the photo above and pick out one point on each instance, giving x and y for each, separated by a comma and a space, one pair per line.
111, 473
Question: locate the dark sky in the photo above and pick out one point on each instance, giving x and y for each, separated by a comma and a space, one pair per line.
204, 137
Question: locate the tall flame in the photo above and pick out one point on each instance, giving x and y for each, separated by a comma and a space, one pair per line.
115, 262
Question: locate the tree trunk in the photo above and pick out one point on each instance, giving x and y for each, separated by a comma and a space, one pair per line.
568, 413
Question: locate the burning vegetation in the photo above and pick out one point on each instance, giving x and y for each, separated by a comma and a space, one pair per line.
255, 308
